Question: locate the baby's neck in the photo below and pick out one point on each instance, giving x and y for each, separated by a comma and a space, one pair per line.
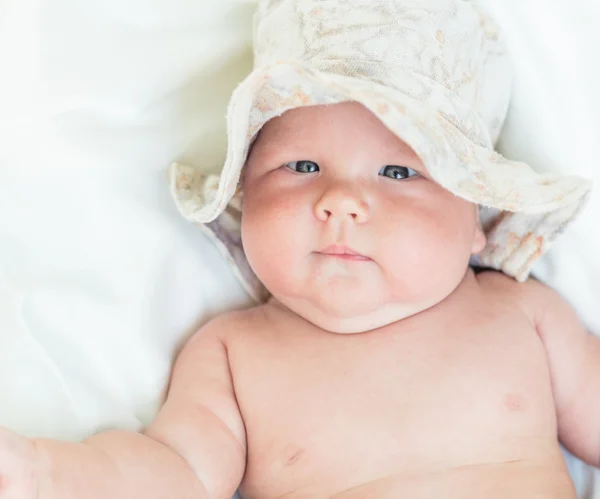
383, 317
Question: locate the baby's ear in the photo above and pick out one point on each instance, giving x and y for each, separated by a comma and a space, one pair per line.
479, 238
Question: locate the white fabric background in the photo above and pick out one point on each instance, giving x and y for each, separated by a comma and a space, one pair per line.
100, 279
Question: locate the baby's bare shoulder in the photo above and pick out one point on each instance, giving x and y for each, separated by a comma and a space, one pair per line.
235, 322
531, 296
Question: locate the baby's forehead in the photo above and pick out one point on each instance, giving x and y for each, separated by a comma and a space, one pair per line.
315, 123
279, 130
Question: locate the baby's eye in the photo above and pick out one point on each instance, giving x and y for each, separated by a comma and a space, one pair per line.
303, 166
397, 172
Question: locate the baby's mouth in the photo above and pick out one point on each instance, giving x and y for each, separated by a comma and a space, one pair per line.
344, 253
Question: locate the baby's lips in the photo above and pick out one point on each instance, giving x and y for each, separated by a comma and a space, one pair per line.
344, 252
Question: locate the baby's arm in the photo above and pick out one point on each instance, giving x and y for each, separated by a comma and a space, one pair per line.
574, 361
195, 448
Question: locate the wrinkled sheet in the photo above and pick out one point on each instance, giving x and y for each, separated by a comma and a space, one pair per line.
100, 279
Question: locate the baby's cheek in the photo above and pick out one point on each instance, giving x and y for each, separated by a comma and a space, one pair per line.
423, 252
273, 237
406, 247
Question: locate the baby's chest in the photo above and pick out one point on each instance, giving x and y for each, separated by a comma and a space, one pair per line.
400, 398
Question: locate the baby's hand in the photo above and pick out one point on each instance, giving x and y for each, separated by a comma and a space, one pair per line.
18, 478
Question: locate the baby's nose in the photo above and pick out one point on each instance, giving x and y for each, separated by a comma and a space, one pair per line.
341, 204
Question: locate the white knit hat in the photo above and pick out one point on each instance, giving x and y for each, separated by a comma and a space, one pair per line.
434, 72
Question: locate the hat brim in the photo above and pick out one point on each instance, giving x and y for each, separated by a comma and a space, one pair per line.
454, 160
448, 137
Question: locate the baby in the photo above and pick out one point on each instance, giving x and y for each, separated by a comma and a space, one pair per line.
382, 365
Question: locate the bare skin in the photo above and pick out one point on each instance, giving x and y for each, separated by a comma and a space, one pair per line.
382, 368
448, 403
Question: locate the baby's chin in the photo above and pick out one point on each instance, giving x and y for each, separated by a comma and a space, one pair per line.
337, 315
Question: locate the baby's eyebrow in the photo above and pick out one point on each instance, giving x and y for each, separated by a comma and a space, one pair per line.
283, 138
279, 126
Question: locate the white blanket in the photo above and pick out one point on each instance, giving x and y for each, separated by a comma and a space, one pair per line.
100, 280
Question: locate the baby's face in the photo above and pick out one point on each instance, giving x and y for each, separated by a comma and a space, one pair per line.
343, 225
